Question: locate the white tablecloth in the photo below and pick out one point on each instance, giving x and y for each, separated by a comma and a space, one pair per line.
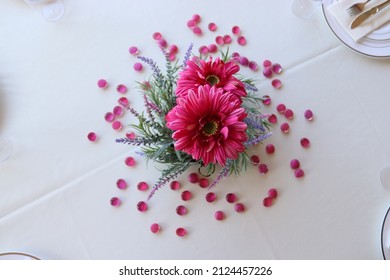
56, 188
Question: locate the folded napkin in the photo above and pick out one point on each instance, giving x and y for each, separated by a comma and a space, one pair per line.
339, 8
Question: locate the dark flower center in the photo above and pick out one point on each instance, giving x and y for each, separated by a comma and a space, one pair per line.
212, 80
210, 128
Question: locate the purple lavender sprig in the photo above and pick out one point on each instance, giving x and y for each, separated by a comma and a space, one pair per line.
138, 141
224, 172
156, 70
257, 139
187, 55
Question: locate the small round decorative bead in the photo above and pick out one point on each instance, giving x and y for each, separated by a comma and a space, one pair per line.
142, 186
191, 23
196, 18
130, 161
175, 185
173, 49
236, 30
267, 72
123, 101
253, 65
227, 39
305, 143
197, 30
276, 83
109, 117
308, 115
219, 40
243, 61
219, 215
266, 100
138, 66
181, 232
92, 136
121, 184
212, 26
186, 195
193, 178
294, 164
210, 197
272, 193
213, 48
130, 135
133, 50
273, 118
118, 111
241, 40
255, 160
276, 68
142, 206
299, 173
181, 210
162, 43
115, 201
121, 89
267, 202
157, 36
203, 50
289, 114
117, 125
155, 228
285, 127
267, 63
239, 207
263, 168
204, 183
281, 108
270, 149
102, 83
231, 198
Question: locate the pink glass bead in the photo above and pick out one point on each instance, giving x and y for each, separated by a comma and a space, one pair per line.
172, 57
253, 65
186, 195
267, 63
263, 168
118, 111
212, 26
231, 198
255, 160
204, 183
109, 117
133, 50
235, 55
92, 136
243, 61
142, 206
285, 127
155, 228
162, 43
281, 108
173, 49
121, 88
276, 83
267, 202
197, 30
213, 48
219, 40
203, 50
130, 135
294, 164
227, 39
241, 40
219, 215
191, 23
273, 118
236, 30
299, 173
175, 185
115, 201
123, 101
196, 18
272, 193
181, 210
239, 207
102, 83
270, 149
142, 186
276, 68
121, 184
130, 161
181, 232
193, 178
138, 66
157, 36
308, 115
266, 100
117, 125
289, 114
305, 143
267, 72
210, 197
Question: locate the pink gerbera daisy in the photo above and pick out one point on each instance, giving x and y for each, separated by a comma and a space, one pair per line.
208, 124
215, 73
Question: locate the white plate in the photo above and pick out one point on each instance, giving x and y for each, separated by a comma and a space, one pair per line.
375, 44
16, 256
385, 236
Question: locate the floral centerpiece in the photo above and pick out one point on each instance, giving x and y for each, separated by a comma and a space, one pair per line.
202, 113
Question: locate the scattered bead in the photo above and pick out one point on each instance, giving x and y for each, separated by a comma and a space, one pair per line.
109, 117
276, 83
270, 149
267, 72
186, 195
276, 68
272, 118
241, 40
92, 136
210, 197
239, 207
266, 100
227, 39
123, 101
193, 178
272, 193
294, 164
181, 210
236, 30
191, 23
181, 232
142, 186
157, 36
263, 168
213, 48
118, 111
196, 18
121, 184
243, 61
130, 135
305, 143
285, 127
121, 89
142, 206
203, 50
281, 108
267, 63
133, 50
289, 114
204, 183
130, 161
175, 185
219, 40
117, 125
197, 30
155, 228
102, 83
115, 201
255, 160
173, 49
162, 43
308, 115
231, 198
253, 65
299, 173
138, 66
212, 26
219, 215
267, 202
